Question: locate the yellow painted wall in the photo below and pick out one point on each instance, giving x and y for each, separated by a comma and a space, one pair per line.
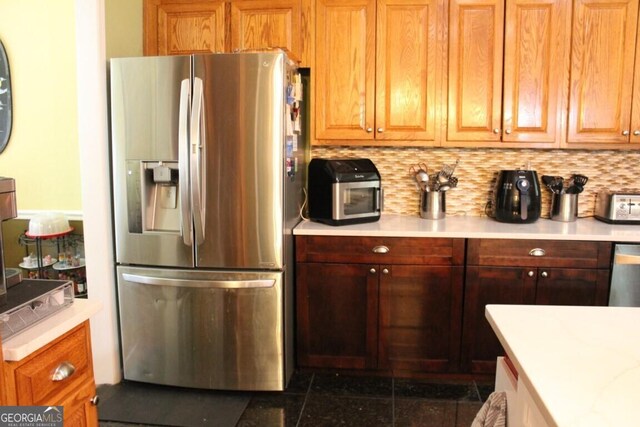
43, 153
123, 28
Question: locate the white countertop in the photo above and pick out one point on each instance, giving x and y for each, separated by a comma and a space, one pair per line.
26, 342
393, 225
581, 364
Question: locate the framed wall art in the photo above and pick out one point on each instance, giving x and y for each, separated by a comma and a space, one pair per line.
6, 115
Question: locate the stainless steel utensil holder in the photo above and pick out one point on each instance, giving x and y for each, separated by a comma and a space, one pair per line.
564, 207
432, 204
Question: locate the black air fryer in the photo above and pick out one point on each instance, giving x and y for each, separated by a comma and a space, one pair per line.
517, 196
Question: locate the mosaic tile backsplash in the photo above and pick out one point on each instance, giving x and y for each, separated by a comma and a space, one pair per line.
478, 168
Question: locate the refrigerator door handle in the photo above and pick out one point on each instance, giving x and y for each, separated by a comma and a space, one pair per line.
189, 283
197, 147
183, 162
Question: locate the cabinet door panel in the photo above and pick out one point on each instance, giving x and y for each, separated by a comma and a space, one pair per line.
337, 306
259, 24
475, 70
489, 285
602, 60
420, 316
572, 287
408, 64
78, 409
181, 28
635, 106
537, 45
345, 69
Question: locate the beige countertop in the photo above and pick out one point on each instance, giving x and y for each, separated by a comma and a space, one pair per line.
393, 225
26, 342
581, 364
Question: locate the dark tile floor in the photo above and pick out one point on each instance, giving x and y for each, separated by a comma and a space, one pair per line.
313, 400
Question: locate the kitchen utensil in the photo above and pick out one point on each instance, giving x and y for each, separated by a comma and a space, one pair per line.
547, 180
421, 176
579, 181
446, 172
557, 186
576, 184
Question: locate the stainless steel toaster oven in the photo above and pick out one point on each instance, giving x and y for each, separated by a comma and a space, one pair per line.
618, 207
344, 191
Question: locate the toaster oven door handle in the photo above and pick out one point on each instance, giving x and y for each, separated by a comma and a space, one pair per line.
379, 195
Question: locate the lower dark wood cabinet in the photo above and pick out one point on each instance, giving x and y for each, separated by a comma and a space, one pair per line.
417, 305
337, 316
420, 318
526, 272
404, 315
489, 285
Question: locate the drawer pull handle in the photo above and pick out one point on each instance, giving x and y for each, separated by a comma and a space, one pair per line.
544, 274
95, 400
537, 252
63, 371
380, 250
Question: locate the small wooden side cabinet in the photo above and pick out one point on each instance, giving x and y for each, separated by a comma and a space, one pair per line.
60, 373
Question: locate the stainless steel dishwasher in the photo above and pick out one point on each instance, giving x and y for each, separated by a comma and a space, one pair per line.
625, 277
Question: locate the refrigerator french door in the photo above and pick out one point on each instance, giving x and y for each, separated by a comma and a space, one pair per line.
208, 156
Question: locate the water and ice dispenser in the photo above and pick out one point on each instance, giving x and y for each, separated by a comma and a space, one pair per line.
153, 197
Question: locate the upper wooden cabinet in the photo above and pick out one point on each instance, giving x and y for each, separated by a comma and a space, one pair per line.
179, 27
377, 71
604, 103
266, 23
514, 96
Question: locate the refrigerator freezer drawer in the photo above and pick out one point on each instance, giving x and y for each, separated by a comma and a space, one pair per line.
211, 330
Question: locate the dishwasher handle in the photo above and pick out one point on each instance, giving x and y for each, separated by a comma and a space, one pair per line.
627, 259
189, 283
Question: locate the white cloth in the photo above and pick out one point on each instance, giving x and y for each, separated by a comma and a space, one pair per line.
494, 411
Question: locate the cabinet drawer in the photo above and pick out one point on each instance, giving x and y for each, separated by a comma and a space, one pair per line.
380, 250
538, 253
33, 378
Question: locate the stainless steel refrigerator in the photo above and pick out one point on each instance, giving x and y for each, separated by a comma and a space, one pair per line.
209, 165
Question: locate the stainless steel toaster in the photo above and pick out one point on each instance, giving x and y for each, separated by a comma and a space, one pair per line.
618, 207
